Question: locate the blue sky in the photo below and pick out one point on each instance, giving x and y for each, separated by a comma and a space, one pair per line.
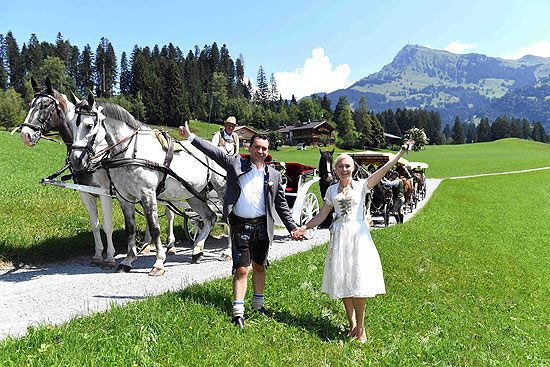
352, 39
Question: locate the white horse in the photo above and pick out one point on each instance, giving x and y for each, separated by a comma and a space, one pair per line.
52, 111
138, 167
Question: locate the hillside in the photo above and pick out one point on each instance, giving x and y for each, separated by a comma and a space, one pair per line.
463, 85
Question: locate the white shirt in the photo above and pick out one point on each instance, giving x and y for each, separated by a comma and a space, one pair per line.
251, 202
229, 147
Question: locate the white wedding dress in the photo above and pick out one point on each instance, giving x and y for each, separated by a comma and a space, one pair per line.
352, 266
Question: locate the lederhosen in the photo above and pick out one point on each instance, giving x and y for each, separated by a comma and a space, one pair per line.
249, 240
222, 141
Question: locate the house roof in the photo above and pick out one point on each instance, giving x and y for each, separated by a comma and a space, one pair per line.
244, 127
306, 125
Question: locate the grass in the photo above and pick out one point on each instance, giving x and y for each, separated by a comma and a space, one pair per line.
471, 159
467, 285
41, 224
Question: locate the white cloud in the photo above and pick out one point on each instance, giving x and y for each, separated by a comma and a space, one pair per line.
316, 76
458, 48
541, 48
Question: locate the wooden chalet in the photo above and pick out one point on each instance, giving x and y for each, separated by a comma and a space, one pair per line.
244, 133
307, 133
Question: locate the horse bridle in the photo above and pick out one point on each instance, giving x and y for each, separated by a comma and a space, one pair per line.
44, 126
87, 111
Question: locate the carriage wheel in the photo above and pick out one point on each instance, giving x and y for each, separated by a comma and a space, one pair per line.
386, 214
192, 227
309, 210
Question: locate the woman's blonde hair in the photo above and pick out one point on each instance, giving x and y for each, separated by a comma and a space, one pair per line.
342, 157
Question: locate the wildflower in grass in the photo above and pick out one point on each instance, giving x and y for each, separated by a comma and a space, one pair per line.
419, 355
48, 327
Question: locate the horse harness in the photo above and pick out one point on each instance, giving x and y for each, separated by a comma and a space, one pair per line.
44, 121
108, 162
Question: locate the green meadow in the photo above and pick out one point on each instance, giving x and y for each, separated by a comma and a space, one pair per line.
467, 279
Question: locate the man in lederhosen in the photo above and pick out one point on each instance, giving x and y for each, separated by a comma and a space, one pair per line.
228, 141
253, 193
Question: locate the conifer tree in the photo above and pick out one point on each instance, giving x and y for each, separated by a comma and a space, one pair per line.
105, 68
3, 73
125, 75
61, 51
85, 71
362, 121
458, 132
14, 62
484, 131
525, 129
273, 91
500, 129
262, 93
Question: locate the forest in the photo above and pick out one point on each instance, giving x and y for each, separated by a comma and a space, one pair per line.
166, 86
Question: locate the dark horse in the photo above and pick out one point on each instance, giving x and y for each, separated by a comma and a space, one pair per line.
328, 177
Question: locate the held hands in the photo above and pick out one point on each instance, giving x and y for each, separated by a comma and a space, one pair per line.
184, 131
298, 233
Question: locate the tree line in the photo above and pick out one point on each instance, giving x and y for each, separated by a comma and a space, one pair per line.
501, 128
164, 86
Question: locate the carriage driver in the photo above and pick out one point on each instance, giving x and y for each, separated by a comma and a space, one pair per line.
253, 193
227, 139
398, 190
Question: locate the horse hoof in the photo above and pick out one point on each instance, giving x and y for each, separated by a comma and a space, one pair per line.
196, 259
172, 250
108, 265
96, 262
157, 272
121, 268
225, 257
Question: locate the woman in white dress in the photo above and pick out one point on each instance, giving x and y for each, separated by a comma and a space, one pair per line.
353, 270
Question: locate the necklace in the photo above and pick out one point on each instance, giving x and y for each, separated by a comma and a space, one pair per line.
343, 188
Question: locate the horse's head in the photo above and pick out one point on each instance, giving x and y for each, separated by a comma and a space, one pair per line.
325, 166
47, 111
87, 129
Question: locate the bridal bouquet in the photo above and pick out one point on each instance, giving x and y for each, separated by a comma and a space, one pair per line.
419, 136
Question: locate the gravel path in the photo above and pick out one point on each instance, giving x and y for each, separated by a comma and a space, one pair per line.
54, 293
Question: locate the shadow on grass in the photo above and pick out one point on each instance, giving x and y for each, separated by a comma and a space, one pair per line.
222, 297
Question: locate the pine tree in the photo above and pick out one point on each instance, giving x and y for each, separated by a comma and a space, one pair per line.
458, 132
240, 87
538, 133
362, 121
61, 51
342, 118
3, 73
273, 91
484, 131
125, 75
85, 71
525, 129
262, 93
105, 68
500, 129
34, 55
175, 108
14, 62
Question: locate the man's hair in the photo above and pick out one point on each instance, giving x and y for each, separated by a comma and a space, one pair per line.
258, 136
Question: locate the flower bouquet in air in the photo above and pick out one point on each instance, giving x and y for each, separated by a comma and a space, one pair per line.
419, 137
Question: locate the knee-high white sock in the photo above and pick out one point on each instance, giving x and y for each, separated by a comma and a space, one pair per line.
238, 308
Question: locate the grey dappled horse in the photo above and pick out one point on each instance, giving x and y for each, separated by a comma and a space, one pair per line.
134, 168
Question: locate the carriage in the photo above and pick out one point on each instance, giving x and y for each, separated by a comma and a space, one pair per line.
380, 198
419, 178
296, 178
